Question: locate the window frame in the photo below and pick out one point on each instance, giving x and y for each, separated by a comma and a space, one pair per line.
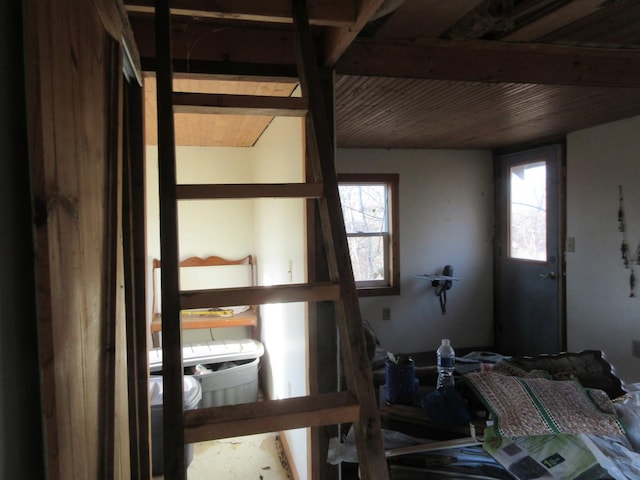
392, 246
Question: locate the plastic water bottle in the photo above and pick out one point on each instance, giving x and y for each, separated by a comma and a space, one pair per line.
446, 361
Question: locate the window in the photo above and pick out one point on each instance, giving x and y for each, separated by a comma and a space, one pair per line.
370, 210
528, 212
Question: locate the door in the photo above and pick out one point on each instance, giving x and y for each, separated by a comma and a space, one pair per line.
529, 281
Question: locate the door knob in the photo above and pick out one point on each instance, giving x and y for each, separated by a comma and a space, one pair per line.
550, 275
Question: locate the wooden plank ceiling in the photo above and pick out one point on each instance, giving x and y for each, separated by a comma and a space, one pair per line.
425, 73
204, 130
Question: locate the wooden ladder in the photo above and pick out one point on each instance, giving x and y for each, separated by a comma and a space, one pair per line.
358, 404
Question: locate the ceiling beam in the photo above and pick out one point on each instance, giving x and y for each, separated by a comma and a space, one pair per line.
335, 13
192, 41
424, 18
337, 40
609, 24
482, 61
559, 18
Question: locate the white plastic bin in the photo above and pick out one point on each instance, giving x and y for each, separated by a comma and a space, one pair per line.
229, 383
226, 369
192, 397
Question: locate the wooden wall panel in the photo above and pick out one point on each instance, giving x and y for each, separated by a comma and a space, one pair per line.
68, 70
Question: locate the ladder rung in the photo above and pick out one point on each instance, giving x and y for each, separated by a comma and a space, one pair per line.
249, 190
269, 416
213, 103
300, 292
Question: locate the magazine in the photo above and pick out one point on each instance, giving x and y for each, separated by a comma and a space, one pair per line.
561, 457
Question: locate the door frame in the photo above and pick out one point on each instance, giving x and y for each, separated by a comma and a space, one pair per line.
561, 234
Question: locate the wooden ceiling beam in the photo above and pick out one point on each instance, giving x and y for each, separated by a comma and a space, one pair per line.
335, 13
424, 18
337, 40
482, 61
604, 24
213, 43
561, 17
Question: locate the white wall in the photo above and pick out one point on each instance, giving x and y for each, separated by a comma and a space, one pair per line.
206, 227
215, 225
281, 256
600, 313
446, 217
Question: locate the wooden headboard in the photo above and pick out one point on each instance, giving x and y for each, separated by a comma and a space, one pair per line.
212, 261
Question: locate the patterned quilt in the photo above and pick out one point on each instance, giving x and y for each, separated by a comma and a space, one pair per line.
539, 406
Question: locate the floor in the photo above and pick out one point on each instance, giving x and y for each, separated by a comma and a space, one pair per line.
258, 457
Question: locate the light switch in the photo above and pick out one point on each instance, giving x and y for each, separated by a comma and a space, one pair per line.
571, 244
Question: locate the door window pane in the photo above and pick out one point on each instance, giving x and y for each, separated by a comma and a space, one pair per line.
528, 212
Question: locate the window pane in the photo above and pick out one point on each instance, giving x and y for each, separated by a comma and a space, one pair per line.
364, 208
370, 213
528, 212
367, 258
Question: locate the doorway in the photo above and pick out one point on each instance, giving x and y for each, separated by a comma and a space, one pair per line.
529, 258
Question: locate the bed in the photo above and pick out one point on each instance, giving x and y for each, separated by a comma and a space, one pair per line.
564, 416
205, 273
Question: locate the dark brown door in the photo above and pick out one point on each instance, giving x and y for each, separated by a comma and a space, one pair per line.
529, 265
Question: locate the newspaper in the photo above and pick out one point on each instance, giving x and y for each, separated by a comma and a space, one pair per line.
561, 457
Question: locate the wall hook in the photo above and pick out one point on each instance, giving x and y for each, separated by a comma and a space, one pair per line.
441, 283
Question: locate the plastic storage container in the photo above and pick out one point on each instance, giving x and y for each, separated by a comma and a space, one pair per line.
226, 369
192, 396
